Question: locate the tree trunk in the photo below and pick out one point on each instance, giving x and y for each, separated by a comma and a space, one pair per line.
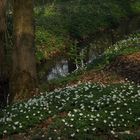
24, 77
4, 82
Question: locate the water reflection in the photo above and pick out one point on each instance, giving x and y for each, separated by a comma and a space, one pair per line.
60, 69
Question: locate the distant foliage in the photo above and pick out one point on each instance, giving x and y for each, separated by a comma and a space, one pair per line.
72, 20
48, 44
132, 42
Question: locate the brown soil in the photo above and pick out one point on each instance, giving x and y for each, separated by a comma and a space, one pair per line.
103, 77
127, 66
124, 67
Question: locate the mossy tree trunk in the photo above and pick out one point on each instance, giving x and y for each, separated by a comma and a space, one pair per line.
24, 77
4, 82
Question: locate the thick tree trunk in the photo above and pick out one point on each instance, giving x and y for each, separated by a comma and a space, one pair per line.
4, 83
24, 79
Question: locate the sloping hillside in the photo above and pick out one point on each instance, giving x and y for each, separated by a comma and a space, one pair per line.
128, 66
118, 63
98, 103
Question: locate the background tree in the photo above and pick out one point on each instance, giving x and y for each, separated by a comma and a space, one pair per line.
4, 84
24, 79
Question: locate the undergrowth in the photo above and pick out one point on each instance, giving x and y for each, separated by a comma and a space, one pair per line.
127, 46
91, 110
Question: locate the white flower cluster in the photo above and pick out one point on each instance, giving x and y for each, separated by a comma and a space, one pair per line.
90, 108
132, 41
109, 112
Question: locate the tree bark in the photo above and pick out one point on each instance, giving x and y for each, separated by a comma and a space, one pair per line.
24, 77
4, 82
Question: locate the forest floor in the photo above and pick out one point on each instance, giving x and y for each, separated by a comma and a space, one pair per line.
100, 102
115, 73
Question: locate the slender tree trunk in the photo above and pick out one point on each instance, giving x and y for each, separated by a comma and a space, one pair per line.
24, 79
4, 83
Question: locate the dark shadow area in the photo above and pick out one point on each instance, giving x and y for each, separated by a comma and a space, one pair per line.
4, 91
